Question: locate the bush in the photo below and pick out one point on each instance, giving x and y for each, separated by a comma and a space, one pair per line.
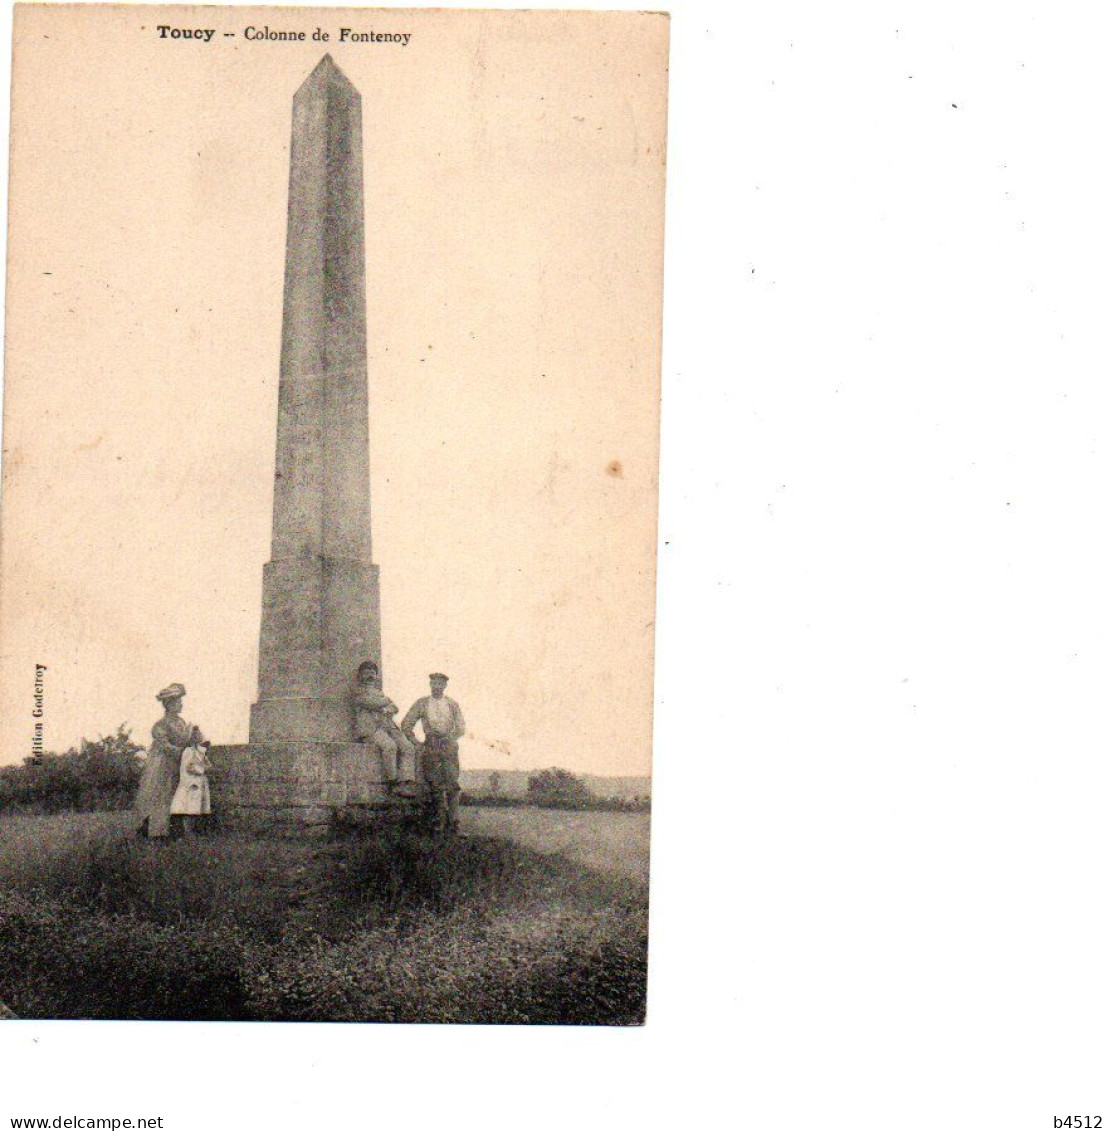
558, 788
99, 775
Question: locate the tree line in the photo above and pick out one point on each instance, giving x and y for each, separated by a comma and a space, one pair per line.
104, 774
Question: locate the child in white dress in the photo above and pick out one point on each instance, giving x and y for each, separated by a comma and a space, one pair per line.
191, 800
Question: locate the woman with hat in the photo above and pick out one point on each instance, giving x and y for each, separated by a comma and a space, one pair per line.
171, 735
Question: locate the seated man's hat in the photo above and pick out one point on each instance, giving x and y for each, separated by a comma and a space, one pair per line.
438, 675
174, 691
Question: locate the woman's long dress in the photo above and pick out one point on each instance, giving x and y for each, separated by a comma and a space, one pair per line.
170, 736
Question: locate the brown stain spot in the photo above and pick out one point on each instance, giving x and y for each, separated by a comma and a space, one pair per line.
13, 461
614, 469
499, 745
90, 445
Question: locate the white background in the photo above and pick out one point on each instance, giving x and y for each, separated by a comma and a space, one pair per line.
882, 786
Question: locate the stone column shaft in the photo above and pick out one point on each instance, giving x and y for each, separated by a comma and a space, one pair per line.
320, 588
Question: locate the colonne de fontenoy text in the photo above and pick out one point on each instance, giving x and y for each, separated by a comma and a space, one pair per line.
274, 35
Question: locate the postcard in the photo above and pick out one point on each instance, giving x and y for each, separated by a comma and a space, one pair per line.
327, 572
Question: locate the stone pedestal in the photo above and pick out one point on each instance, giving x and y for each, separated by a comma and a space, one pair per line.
298, 787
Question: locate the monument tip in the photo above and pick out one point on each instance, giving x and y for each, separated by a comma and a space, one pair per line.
326, 72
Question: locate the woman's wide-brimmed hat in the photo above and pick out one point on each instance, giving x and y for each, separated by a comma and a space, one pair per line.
174, 691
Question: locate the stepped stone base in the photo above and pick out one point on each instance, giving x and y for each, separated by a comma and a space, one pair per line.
300, 787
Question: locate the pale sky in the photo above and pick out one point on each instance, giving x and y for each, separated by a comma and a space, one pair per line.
513, 172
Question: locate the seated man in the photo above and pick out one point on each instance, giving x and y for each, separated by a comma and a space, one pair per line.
375, 724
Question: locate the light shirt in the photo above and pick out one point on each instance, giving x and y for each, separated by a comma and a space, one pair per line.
441, 718
438, 714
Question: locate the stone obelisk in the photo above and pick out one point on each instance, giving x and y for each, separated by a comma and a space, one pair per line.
320, 614
320, 590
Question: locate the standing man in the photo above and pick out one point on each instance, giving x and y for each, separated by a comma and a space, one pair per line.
443, 723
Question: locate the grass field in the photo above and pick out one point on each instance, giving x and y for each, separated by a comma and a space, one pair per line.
606, 842
536, 917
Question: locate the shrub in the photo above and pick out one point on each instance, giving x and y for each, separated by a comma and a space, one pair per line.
98, 775
558, 788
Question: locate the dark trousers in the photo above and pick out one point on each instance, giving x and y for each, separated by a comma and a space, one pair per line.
440, 773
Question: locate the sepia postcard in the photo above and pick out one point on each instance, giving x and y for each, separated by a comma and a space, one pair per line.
327, 553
